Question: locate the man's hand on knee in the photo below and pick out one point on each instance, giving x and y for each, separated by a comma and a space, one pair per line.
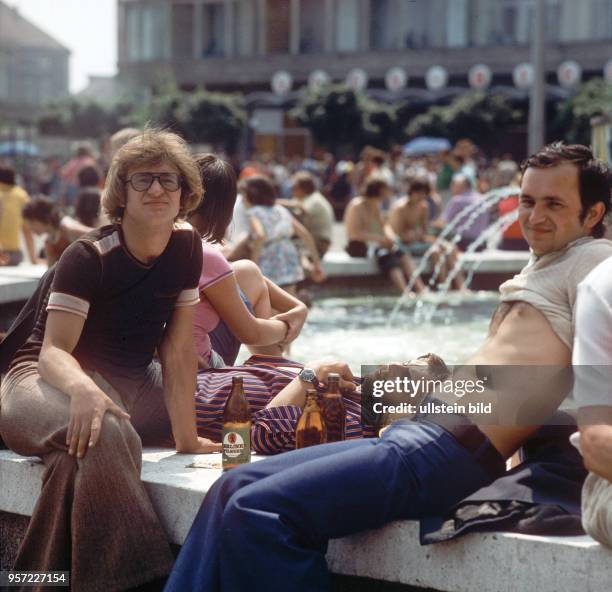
86, 415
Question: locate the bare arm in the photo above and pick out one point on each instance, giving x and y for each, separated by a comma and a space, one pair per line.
390, 235
291, 310
423, 221
259, 236
179, 364
73, 228
396, 222
224, 297
58, 367
291, 204
304, 234
295, 392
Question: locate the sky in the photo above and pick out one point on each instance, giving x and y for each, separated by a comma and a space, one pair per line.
88, 28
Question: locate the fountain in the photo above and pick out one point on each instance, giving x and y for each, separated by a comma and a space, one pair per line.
463, 220
491, 231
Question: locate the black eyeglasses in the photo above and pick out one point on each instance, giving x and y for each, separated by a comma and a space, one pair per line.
143, 181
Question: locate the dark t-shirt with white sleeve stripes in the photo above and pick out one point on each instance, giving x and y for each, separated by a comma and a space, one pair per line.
125, 303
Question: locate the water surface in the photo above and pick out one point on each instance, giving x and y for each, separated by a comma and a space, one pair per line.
356, 329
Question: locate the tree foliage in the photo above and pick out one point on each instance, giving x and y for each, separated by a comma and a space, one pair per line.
343, 119
476, 115
573, 119
83, 118
199, 117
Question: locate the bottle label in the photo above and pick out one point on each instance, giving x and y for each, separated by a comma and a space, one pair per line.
236, 445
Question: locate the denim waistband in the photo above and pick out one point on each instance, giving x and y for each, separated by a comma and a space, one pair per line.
469, 437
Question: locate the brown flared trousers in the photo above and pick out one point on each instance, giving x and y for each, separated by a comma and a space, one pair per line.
94, 517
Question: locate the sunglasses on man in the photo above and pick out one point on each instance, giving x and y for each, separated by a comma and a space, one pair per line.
143, 181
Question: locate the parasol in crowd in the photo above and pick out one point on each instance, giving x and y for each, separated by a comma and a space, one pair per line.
426, 145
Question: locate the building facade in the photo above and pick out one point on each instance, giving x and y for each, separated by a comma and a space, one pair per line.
240, 44
33, 66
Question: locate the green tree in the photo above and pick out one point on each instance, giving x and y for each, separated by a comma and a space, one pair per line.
476, 115
219, 119
80, 118
199, 116
165, 110
340, 119
573, 118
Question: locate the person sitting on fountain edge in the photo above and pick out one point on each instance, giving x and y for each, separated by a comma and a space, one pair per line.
85, 391
277, 515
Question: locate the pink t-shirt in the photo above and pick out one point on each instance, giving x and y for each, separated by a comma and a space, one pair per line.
214, 268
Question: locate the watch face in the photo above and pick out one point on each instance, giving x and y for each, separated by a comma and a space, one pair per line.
308, 375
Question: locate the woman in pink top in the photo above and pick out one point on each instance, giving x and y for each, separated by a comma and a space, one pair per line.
236, 301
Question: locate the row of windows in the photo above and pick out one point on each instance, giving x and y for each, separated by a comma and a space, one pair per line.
35, 78
249, 27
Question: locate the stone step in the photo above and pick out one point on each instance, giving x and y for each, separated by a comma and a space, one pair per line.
491, 562
19, 282
340, 263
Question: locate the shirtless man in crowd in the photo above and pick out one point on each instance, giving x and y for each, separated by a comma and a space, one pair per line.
409, 219
278, 515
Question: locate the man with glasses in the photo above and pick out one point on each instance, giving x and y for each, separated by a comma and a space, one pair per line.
84, 391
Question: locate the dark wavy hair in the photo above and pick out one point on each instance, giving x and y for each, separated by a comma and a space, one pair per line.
259, 190
594, 180
374, 186
42, 209
87, 206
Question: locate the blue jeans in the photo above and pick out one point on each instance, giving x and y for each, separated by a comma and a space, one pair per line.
265, 526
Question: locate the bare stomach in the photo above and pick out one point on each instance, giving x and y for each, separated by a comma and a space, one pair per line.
525, 367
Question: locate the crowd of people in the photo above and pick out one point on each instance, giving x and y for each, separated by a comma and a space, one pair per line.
132, 335
393, 206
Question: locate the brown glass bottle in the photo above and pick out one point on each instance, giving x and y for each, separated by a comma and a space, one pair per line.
310, 429
236, 434
332, 407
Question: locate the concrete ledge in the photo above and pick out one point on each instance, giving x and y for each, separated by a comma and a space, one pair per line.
341, 264
19, 282
491, 562
477, 562
176, 490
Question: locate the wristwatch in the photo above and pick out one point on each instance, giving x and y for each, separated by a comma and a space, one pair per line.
309, 376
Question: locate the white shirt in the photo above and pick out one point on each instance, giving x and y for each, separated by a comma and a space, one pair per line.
239, 226
592, 355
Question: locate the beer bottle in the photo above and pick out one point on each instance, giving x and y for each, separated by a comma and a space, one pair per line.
310, 429
332, 407
236, 435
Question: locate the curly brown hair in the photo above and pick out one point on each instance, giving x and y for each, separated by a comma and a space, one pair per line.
152, 147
